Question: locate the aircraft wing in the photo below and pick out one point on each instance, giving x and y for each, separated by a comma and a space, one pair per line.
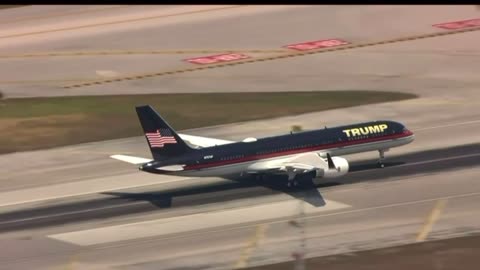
299, 164
202, 141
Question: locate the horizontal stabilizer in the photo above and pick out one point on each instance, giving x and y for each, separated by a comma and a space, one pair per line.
130, 159
171, 168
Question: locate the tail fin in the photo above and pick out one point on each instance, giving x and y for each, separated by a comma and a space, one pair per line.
163, 141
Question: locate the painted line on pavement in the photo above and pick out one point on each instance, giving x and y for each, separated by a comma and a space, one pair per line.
120, 21
449, 125
73, 212
432, 218
60, 14
192, 222
435, 160
67, 186
420, 163
252, 243
67, 80
314, 216
141, 52
71, 187
276, 57
77, 235
72, 262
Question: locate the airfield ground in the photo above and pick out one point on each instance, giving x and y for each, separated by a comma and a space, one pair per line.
73, 207
38, 123
453, 254
10, 6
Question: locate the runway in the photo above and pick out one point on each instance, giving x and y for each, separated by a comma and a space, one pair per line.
402, 200
194, 193
73, 207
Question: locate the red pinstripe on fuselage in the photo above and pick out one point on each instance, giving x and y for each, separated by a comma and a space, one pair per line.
254, 157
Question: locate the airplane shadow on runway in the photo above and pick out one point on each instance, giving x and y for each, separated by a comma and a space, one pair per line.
307, 191
372, 166
248, 188
164, 198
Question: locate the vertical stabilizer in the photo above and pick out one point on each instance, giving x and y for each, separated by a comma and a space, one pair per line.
163, 141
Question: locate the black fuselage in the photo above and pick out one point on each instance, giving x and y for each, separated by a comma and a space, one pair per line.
284, 145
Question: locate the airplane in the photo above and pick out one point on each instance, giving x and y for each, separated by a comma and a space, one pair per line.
300, 156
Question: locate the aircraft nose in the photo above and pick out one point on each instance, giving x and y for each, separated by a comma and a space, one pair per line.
407, 132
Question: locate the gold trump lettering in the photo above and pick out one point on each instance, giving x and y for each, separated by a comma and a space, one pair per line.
365, 130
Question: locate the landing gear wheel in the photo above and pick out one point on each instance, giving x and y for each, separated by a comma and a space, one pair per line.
260, 177
381, 158
292, 183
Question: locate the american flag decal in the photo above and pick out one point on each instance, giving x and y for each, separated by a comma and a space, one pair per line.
160, 138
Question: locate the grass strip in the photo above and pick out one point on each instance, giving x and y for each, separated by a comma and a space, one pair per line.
38, 123
11, 6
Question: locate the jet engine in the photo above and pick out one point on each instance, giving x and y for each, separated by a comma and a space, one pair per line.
340, 168
337, 166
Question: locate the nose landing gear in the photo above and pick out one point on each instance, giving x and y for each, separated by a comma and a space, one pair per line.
381, 158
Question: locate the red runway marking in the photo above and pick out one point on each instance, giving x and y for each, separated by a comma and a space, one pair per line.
217, 58
458, 24
311, 45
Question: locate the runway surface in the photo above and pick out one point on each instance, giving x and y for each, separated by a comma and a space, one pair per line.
455, 254
73, 207
371, 208
193, 193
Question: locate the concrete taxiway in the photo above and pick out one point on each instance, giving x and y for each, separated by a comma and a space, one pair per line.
73, 207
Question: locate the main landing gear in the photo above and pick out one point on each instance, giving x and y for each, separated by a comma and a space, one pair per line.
261, 177
292, 180
292, 183
381, 158
301, 179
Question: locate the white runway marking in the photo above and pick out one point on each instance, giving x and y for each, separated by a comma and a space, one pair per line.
450, 125
423, 162
115, 183
438, 159
107, 73
191, 222
64, 236
71, 213
80, 188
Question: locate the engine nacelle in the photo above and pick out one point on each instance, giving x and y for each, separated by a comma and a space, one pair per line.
341, 168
